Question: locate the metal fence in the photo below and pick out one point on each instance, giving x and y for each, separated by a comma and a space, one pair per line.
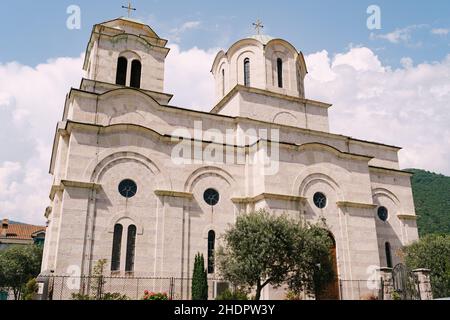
69, 287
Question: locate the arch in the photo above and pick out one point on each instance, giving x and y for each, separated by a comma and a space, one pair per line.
112, 94
116, 247
125, 219
247, 72
220, 55
109, 158
331, 290
326, 174
388, 252
243, 43
199, 173
136, 70
280, 72
386, 193
272, 43
285, 118
124, 39
211, 250
121, 71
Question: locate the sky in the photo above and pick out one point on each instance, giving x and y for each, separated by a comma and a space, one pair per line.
390, 84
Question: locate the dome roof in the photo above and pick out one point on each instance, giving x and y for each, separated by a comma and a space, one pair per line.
264, 39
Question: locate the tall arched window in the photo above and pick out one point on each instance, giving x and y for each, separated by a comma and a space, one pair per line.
223, 82
131, 245
136, 68
211, 248
121, 76
280, 72
247, 72
117, 244
388, 255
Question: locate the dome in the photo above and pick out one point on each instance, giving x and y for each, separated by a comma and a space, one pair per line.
262, 62
264, 39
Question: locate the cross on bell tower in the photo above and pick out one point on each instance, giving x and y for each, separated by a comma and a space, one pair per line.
258, 26
129, 8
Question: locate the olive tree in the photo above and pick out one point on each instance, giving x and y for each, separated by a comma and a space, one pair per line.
263, 249
432, 252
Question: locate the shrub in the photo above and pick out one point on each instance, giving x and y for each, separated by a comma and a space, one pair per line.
199, 279
30, 290
114, 296
106, 296
229, 295
292, 296
81, 297
396, 296
155, 296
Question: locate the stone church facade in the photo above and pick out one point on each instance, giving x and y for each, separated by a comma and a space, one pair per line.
146, 185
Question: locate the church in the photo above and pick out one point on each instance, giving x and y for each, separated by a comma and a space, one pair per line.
147, 185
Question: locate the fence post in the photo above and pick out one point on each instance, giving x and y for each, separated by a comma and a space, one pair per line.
137, 289
423, 277
171, 288
387, 283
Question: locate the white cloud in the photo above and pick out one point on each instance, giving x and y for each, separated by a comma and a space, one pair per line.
406, 106
31, 103
175, 33
188, 77
399, 35
440, 31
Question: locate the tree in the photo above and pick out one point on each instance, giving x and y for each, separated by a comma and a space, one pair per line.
262, 249
432, 252
199, 279
18, 265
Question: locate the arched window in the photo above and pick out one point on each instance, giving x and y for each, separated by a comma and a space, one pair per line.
247, 72
136, 68
211, 247
117, 243
388, 254
280, 72
121, 76
223, 82
131, 245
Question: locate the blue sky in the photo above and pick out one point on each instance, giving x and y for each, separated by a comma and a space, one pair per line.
34, 31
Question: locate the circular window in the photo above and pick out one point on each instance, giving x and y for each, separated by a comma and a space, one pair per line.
383, 213
128, 188
320, 200
211, 197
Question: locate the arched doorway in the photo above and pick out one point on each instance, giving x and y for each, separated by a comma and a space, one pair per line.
331, 290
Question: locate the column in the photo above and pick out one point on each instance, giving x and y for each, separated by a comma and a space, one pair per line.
387, 283
425, 290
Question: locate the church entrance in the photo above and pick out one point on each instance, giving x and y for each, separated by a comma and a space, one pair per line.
331, 290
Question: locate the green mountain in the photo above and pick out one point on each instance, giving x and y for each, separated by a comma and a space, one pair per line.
432, 200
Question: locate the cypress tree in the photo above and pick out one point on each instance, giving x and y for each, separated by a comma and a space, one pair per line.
199, 279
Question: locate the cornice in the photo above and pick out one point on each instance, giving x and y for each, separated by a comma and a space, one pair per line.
174, 194
272, 196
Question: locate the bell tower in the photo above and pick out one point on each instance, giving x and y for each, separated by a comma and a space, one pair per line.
125, 52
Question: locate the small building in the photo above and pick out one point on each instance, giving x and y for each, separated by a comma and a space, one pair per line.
20, 234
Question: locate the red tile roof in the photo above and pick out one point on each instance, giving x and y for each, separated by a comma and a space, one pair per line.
22, 231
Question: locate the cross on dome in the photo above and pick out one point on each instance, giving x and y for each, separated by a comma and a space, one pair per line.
258, 26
